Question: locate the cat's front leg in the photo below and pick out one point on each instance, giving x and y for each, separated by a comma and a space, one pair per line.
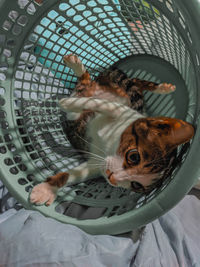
103, 106
46, 192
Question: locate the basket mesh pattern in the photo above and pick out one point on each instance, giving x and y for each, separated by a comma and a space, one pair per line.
34, 36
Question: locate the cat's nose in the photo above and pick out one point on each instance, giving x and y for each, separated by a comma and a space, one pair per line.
111, 177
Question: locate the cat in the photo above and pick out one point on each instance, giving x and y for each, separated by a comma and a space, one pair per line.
104, 118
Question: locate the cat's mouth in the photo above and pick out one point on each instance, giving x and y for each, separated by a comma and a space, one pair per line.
111, 177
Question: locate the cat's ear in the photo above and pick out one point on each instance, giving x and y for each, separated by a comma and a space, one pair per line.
179, 132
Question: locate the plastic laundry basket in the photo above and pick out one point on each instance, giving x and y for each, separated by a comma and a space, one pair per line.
156, 40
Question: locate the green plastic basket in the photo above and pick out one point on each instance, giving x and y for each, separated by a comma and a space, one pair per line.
157, 40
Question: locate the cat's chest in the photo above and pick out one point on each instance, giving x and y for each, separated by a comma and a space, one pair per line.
105, 132
102, 94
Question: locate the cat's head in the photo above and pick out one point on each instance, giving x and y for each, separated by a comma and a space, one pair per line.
144, 152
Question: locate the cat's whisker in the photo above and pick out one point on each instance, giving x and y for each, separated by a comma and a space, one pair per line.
90, 153
94, 168
80, 156
96, 158
93, 164
102, 162
91, 144
91, 157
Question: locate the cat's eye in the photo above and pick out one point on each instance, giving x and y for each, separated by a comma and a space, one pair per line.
136, 186
133, 157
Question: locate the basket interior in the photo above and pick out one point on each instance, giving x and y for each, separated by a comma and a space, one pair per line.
146, 40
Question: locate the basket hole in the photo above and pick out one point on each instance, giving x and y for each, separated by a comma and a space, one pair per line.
8, 138
169, 6
80, 7
22, 132
2, 77
39, 164
74, 2
8, 161
11, 147
64, 6
197, 58
22, 167
71, 12
77, 18
181, 16
7, 52
2, 39
13, 15
62, 31
98, 10
91, 3
33, 38
28, 188
11, 43
4, 125
52, 14
47, 161
14, 170
2, 114
30, 177
31, 9
34, 156
22, 181
104, 2
189, 37
17, 158
182, 23
25, 139
17, 30
3, 67
3, 149
23, 3
7, 25
22, 20
29, 148
2, 92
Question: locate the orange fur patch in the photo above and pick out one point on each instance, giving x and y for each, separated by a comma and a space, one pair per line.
58, 180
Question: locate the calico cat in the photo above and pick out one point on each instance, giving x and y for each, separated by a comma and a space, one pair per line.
104, 119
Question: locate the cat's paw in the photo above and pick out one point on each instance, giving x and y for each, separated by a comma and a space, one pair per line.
73, 62
165, 88
43, 193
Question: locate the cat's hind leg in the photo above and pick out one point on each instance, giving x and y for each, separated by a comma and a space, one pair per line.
85, 87
74, 63
162, 88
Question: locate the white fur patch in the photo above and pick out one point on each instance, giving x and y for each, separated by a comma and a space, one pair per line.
72, 116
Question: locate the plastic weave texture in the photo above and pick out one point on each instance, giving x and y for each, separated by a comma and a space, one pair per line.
156, 40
